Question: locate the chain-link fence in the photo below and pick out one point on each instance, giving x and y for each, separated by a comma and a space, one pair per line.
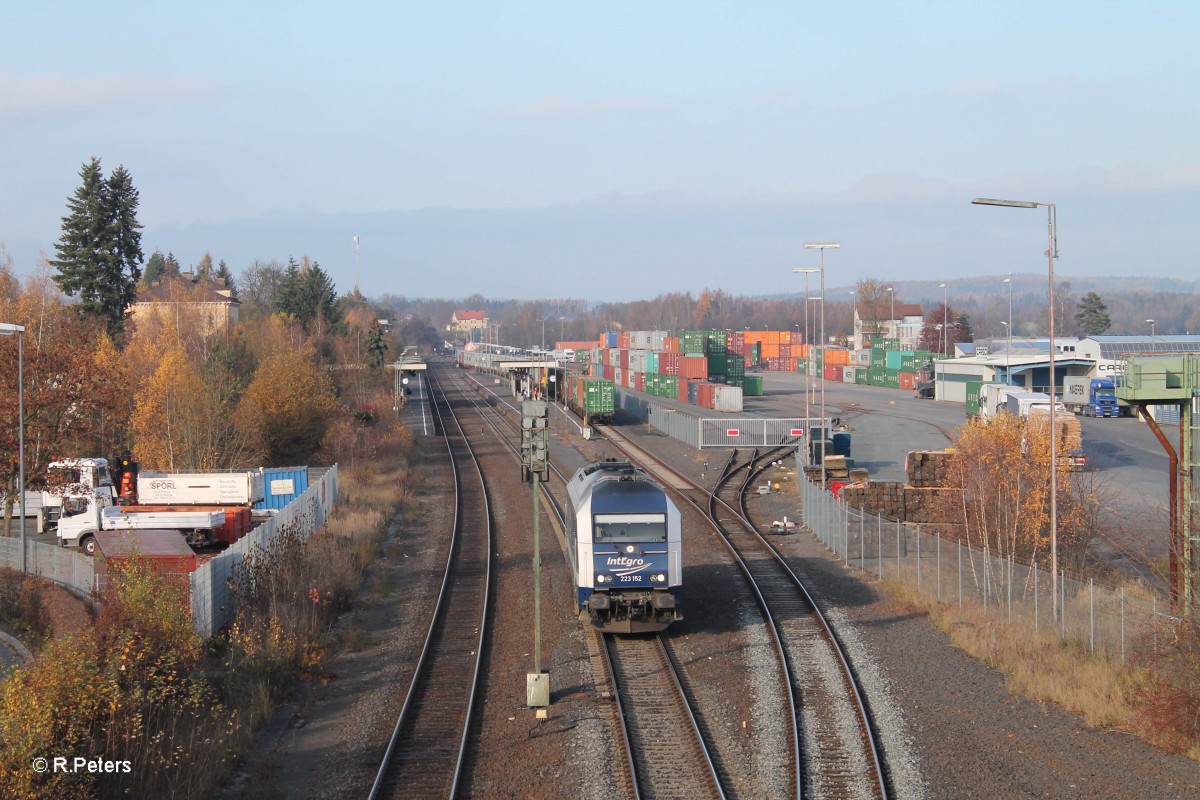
1107, 621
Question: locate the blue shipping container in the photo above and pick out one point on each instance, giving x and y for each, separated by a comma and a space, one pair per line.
282, 485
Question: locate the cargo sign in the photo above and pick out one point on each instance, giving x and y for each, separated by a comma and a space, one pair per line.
797, 432
733, 432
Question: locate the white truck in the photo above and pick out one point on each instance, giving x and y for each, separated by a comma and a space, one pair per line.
86, 513
65, 477
1019, 404
993, 398
243, 488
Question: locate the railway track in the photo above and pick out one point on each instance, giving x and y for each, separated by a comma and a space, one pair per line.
427, 750
836, 751
663, 751
669, 755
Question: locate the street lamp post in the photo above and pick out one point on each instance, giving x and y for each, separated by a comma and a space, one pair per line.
561, 323
822, 246
8, 329
1151, 323
1007, 349
808, 364
853, 314
543, 321
892, 319
945, 316
1051, 254
1008, 327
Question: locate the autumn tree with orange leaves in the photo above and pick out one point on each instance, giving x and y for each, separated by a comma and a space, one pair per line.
1001, 467
288, 407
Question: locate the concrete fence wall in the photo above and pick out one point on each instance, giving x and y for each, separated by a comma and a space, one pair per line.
212, 601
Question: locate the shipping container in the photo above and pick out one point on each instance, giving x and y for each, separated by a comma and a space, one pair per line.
693, 367
610, 340
727, 399
200, 488
693, 391
282, 485
622, 358
833, 372
682, 385
165, 551
752, 386
848, 374
974, 388
591, 396
670, 344
639, 381
668, 363
908, 380
651, 363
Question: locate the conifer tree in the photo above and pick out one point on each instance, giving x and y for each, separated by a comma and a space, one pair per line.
100, 252
1092, 316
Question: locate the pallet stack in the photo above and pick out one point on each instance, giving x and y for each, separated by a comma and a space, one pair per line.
929, 469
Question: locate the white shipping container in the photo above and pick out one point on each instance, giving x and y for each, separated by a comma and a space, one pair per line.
618, 376
848, 374
637, 360
727, 399
200, 488
657, 340
862, 358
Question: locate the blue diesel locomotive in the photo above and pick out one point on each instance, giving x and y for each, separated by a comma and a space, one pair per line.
626, 549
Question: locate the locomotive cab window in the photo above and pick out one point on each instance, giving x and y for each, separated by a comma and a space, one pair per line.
630, 527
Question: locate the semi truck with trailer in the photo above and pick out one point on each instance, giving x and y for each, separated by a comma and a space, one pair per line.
1091, 397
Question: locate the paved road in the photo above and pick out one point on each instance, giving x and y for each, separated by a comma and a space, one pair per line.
1131, 466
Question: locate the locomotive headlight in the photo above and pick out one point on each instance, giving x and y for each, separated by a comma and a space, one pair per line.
602, 578
658, 577
630, 549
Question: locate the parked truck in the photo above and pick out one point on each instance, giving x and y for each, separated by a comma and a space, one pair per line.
1091, 397
993, 398
68, 476
86, 513
1019, 404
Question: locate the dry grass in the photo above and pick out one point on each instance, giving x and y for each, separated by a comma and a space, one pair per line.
1040, 667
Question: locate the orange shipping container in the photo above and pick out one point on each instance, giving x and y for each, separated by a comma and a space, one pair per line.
770, 349
671, 344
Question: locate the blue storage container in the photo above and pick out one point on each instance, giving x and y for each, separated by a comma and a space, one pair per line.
610, 339
841, 444
282, 485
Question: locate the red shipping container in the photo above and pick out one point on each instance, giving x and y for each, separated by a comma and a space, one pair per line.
639, 381
671, 345
908, 380
693, 367
833, 372
610, 372
682, 394
625, 358
785, 351
623, 341
668, 363
166, 551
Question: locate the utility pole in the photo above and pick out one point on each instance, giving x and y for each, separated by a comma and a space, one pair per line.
535, 466
356, 263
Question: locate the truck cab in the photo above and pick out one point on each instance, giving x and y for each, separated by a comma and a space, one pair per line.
80, 519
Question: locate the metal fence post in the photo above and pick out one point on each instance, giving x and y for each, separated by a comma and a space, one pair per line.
960, 574
879, 544
939, 567
1092, 614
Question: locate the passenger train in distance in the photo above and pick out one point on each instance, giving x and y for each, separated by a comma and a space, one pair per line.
624, 535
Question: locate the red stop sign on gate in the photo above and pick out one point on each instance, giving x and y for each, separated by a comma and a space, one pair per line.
733, 432
797, 432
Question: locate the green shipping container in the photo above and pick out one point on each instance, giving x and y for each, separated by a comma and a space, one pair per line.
596, 395
752, 386
716, 364
973, 390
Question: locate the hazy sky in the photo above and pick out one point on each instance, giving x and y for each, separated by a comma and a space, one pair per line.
655, 137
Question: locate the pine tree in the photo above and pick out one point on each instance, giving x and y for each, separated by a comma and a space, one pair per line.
225, 274
100, 251
155, 267
1092, 316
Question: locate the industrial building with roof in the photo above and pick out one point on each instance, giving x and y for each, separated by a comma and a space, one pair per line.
1027, 362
